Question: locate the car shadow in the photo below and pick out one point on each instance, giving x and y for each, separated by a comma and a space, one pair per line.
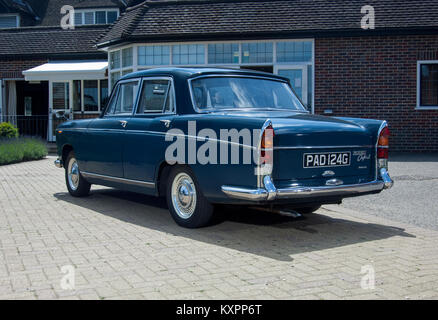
246, 230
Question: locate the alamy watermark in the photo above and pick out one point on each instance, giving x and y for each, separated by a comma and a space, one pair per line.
368, 20
68, 281
68, 18
233, 146
368, 280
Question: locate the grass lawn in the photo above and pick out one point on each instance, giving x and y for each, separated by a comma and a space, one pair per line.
21, 149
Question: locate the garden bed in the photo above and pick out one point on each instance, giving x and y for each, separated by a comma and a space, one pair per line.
15, 150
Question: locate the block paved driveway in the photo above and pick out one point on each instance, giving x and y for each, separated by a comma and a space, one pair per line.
125, 245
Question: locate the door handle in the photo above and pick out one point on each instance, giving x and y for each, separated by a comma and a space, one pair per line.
123, 123
166, 123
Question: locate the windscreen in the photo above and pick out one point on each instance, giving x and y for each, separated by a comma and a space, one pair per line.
220, 93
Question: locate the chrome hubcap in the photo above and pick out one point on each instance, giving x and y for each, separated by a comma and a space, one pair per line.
184, 195
73, 174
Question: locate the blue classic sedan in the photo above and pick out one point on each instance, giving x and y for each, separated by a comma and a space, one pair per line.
203, 137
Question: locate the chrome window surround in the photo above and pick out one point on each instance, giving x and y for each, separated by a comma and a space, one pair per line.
115, 95
195, 107
143, 80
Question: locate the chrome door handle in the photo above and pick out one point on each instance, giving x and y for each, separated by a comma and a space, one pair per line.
123, 123
166, 123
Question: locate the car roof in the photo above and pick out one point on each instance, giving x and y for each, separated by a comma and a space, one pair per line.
193, 72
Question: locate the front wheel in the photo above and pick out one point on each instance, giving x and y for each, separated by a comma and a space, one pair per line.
76, 184
185, 200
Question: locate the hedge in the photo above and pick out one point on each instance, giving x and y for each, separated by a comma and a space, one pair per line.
21, 149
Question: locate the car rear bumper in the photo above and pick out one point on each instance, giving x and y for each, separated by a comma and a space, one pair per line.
270, 192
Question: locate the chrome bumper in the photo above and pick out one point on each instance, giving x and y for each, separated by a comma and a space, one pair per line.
58, 163
270, 193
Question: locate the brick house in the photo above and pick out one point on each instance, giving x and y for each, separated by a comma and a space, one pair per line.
338, 68
48, 74
335, 66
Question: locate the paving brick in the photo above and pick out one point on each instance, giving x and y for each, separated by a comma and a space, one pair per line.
130, 248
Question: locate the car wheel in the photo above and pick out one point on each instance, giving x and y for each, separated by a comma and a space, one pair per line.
76, 184
186, 203
307, 210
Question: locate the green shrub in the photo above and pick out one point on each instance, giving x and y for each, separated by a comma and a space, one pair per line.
8, 130
21, 149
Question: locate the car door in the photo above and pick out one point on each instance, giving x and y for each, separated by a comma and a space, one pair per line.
106, 134
145, 134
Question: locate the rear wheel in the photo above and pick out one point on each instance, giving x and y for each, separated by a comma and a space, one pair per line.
76, 184
185, 200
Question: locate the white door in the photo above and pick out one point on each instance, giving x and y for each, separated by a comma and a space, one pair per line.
298, 79
60, 106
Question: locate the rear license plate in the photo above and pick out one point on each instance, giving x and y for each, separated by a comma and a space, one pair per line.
326, 159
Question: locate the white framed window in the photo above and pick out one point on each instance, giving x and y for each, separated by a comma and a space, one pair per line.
293, 58
427, 85
95, 16
9, 21
90, 96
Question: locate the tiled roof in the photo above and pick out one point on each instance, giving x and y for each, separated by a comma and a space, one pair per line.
48, 41
170, 20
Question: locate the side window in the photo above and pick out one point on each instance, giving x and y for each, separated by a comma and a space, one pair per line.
112, 104
126, 97
156, 97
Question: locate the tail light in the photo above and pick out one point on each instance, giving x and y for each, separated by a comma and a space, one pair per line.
266, 150
382, 148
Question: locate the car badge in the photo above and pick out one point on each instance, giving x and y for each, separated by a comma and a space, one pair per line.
328, 173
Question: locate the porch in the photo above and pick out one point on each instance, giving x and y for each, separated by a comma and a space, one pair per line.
53, 93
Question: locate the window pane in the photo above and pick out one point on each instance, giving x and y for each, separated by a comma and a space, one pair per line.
77, 106
8, 22
115, 59
233, 93
188, 54
61, 98
78, 18
115, 76
104, 93
88, 17
223, 53
90, 95
100, 17
111, 16
126, 99
260, 52
153, 96
429, 85
294, 51
127, 57
154, 55
112, 104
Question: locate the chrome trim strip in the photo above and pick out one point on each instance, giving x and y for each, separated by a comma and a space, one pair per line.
271, 193
321, 147
382, 126
260, 179
116, 179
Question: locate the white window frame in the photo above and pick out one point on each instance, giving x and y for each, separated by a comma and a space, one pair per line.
83, 11
17, 20
419, 63
275, 64
99, 97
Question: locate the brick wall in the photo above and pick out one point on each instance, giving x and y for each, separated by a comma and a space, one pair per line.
376, 77
10, 68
